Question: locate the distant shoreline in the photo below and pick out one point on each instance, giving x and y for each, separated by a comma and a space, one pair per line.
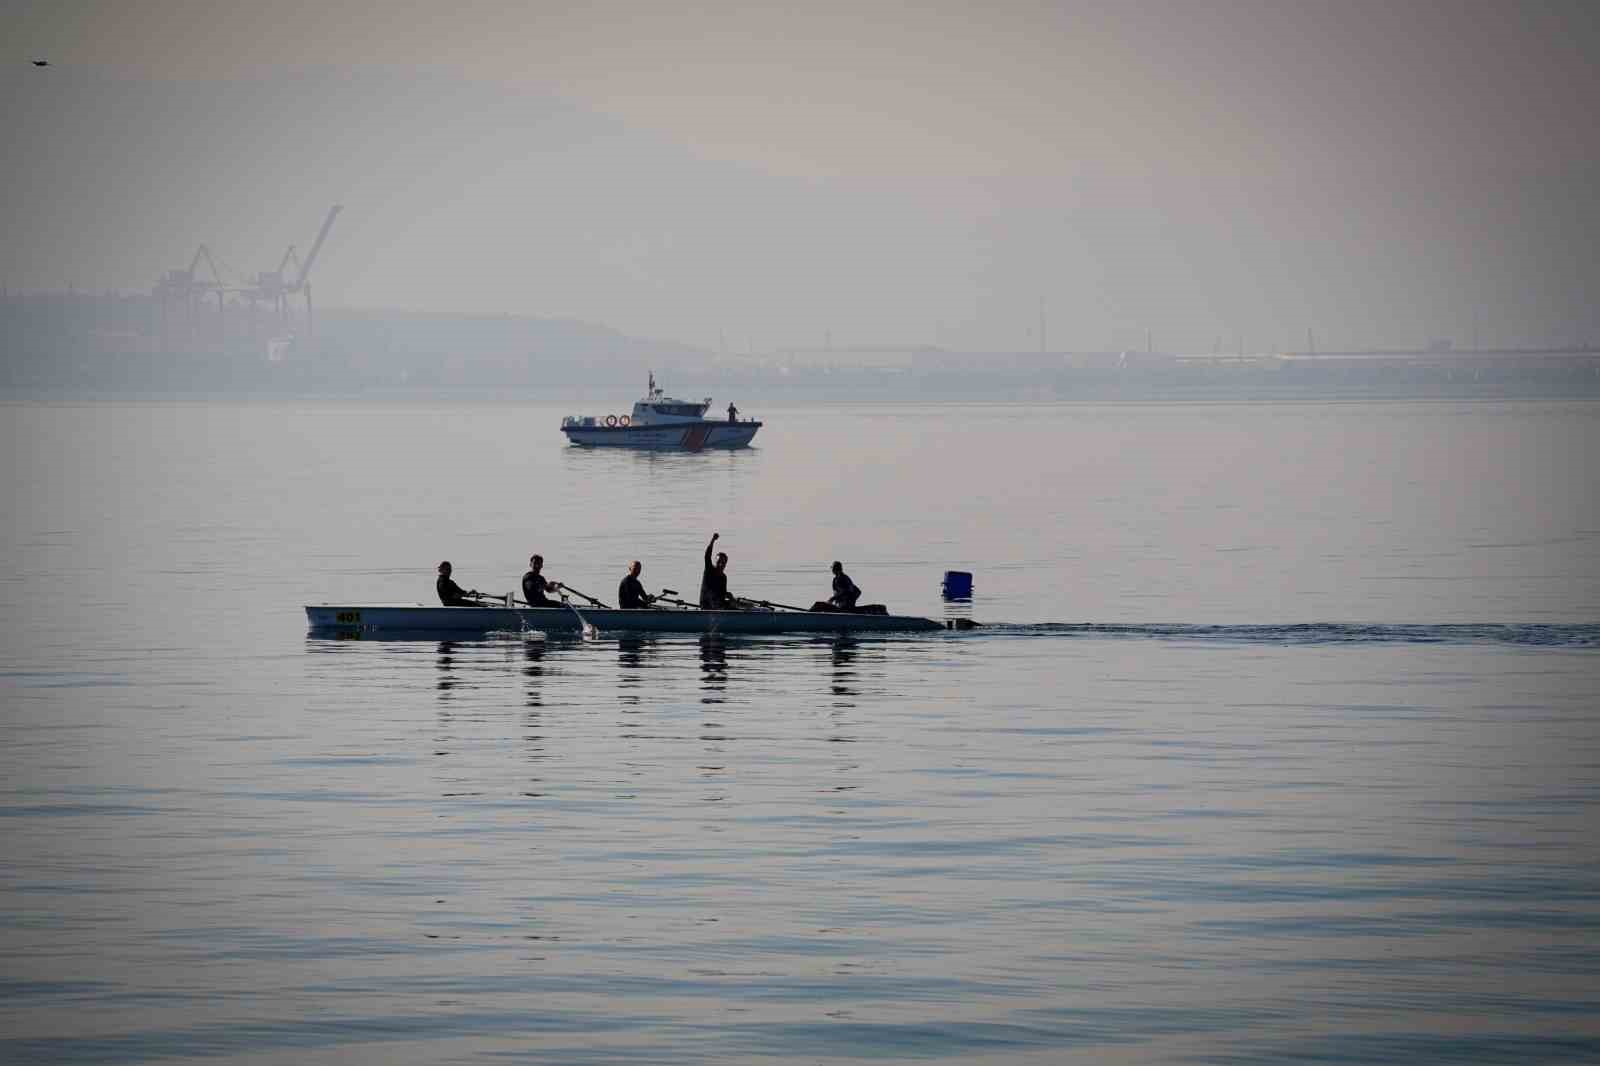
751, 397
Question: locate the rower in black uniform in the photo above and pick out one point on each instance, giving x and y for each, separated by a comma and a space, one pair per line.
631, 595
845, 592
714, 582
450, 593
534, 585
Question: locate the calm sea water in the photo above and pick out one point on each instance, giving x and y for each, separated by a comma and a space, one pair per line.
1286, 747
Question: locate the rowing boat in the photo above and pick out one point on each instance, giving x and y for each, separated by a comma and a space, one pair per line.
423, 618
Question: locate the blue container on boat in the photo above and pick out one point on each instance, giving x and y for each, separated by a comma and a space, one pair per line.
957, 585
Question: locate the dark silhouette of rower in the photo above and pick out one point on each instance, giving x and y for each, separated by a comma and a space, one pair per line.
450, 593
534, 585
631, 595
845, 592
714, 581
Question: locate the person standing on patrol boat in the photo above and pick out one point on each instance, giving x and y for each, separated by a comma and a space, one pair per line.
450, 593
733, 413
534, 585
714, 581
631, 595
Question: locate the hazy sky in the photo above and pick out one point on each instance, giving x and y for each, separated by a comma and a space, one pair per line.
889, 173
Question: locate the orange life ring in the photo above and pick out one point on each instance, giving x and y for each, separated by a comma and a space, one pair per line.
611, 421
624, 420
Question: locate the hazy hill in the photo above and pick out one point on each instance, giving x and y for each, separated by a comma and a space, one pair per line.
115, 342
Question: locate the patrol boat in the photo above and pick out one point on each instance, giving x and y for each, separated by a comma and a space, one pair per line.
661, 423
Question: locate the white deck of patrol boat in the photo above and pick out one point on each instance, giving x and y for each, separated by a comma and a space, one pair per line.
423, 618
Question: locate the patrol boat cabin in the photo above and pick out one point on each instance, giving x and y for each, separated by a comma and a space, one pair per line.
661, 422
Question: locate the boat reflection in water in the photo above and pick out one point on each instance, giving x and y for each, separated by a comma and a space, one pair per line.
544, 692
646, 667
843, 652
447, 666
533, 671
713, 668
634, 655
713, 765
533, 654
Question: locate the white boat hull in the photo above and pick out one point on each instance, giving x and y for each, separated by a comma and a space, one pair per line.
670, 436
422, 619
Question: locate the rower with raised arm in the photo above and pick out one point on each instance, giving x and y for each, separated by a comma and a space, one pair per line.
450, 593
631, 595
714, 581
534, 585
845, 592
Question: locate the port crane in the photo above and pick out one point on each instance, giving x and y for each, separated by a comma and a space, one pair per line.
275, 288
302, 281
268, 285
181, 285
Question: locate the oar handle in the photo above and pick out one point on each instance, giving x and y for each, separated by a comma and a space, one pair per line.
785, 606
585, 595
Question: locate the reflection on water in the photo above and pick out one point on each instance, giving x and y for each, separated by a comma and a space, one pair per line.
958, 609
604, 465
713, 667
447, 665
634, 653
533, 654
850, 842
533, 724
844, 650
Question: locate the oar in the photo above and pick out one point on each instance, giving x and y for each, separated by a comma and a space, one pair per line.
585, 595
671, 596
785, 606
589, 628
546, 606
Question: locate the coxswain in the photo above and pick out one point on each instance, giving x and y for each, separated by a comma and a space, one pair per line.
845, 592
534, 585
714, 582
631, 595
450, 593
733, 413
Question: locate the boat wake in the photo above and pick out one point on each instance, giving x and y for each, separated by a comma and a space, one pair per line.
1557, 635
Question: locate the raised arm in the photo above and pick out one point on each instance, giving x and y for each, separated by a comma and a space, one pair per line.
710, 545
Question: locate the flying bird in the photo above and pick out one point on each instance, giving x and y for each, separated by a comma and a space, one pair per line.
41, 62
